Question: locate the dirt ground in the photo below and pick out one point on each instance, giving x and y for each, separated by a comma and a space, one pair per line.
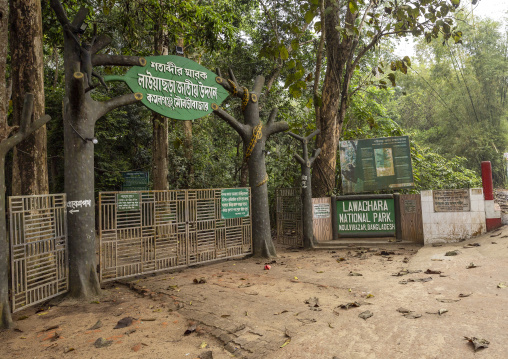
296, 309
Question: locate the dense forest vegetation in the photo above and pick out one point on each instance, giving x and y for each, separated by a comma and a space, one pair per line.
450, 99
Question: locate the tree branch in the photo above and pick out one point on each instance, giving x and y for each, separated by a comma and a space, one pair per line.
101, 42
60, 13
272, 117
233, 122
80, 17
26, 127
277, 127
77, 90
117, 60
106, 106
258, 84
315, 154
299, 159
312, 134
227, 86
294, 135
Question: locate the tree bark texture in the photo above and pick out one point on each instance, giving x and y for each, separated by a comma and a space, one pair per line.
6, 143
79, 115
188, 153
334, 97
254, 135
160, 152
30, 170
5, 312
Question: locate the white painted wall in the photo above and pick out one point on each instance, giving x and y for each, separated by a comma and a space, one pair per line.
443, 227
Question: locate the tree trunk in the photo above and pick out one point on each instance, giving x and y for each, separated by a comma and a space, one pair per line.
30, 171
188, 153
159, 129
5, 309
160, 152
261, 230
334, 96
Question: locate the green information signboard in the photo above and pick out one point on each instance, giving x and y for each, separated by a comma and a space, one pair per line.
127, 201
135, 181
174, 86
376, 164
366, 216
234, 203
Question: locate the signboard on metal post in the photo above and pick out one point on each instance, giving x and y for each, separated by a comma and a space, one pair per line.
135, 181
174, 86
235, 203
376, 164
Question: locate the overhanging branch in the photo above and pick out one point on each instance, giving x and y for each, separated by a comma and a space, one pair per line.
233, 122
117, 60
106, 106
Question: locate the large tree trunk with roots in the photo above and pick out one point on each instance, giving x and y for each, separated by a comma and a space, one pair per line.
26, 127
254, 135
30, 170
80, 114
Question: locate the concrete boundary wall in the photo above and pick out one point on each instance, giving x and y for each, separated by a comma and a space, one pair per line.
443, 227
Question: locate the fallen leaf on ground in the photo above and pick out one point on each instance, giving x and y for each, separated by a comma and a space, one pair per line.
437, 259
444, 300
403, 310
349, 305
405, 272
102, 343
452, 253
497, 234
471, 245
471, 265
199, 281
502, 285
365, 315
68, 350
464, 295
341, 259
313, 303
353, 274
478, 343
305, 321
405, 260
439, 312
494, 242
369, 296
96, 325
413, 280
124, 322
430, 271
203, 345
412, 315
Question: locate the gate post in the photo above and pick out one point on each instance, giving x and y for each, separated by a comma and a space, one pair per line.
492, 217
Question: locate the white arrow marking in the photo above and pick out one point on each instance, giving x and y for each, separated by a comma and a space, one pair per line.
72, 211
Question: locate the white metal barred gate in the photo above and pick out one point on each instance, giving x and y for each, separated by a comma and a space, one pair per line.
168, 229
38, 243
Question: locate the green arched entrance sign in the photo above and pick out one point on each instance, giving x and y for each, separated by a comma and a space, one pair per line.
174, 86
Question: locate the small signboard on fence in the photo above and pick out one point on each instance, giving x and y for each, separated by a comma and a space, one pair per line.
127, 201
321, 210
235, 203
